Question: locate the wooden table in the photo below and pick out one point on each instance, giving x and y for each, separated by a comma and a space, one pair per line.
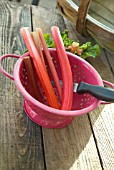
86, 144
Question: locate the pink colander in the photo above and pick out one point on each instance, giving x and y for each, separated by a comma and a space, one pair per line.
41, 113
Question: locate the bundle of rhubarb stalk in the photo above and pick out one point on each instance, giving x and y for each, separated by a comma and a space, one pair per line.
37, 45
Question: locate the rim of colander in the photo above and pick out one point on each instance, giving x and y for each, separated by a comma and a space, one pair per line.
48, 108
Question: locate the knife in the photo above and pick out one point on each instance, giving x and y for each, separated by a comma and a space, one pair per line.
100, 92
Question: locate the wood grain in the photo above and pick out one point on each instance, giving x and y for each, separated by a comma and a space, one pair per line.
102, 29
51, 4
20, 138
104, 125
82, 12
72, 147
87, 143
101, 119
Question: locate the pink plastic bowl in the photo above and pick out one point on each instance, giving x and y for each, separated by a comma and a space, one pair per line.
41, 113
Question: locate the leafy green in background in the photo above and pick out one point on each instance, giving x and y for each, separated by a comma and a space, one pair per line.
49, 41
89, 50
67, 41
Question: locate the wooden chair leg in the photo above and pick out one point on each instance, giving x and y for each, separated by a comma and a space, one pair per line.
35, 2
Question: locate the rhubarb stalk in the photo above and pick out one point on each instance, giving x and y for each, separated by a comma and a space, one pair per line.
37, 42
65, 69
31, 79
40, 69
50, 62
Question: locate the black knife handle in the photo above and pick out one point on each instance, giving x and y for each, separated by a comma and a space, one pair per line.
99, 92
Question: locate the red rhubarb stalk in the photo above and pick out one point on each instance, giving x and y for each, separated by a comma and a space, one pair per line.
65, 69
31, 79
40, 69
50, 62
37, 42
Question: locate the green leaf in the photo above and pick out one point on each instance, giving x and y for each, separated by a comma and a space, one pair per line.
89, 50
67, 41
49, 41
25, 51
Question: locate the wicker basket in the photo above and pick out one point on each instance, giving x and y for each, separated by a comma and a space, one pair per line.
94, 17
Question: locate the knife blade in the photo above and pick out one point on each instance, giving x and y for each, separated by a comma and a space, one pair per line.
100, 92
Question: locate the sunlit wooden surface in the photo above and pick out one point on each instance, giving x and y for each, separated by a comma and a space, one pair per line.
87, 143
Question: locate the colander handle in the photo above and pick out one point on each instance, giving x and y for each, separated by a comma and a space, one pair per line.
2, 69
110, 85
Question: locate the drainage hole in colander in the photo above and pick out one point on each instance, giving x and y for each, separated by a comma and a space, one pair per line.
79, 73
73, 68
55, 63
25, 83
79, 67
81, 105
74, 80
83, 77
45, 100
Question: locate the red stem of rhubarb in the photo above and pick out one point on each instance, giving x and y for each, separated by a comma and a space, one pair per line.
40, 69
65, 69
37, 42
31, 79
50, 62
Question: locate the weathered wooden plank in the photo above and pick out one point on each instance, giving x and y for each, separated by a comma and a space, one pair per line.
40, 19
20, 138
103, 127
102, 118
104, 12
101, 30
21, 1
72, 147
110, 58
48, 4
